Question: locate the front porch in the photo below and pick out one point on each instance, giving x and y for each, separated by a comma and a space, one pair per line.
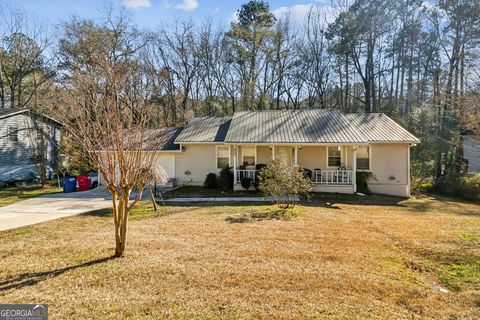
331, 168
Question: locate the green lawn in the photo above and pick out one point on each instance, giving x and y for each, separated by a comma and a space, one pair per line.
10, 195
337, 257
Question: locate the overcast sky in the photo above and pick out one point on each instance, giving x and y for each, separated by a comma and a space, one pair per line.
150, 13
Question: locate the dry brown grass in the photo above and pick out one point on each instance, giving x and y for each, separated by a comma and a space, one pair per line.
332, 261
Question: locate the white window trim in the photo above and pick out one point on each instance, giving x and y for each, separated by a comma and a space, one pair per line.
369, 160
341, 156
229, 155
243, 154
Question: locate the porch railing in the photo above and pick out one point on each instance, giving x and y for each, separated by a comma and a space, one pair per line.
318, 176
332, 176
241, 174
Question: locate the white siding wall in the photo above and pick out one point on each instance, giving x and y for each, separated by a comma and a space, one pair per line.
19, 153
471, 152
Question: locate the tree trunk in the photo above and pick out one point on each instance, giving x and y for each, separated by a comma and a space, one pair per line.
121, 211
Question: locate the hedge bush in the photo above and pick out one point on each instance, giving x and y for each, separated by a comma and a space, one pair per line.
225, 180
471, 187
246, 183
211, 181
461, 186
362, 182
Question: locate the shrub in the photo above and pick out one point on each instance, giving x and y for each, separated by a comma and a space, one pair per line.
449, 184
362, 182
258, 167
225, 180
211, 181
422, 171
457, 185
471, 187
246, 183
420, 186
307, 173
283, 182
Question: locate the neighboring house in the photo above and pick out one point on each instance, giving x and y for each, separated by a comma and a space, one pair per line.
331, 144
24, 136
471, 151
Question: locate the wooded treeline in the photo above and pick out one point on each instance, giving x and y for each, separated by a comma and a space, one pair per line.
416, 61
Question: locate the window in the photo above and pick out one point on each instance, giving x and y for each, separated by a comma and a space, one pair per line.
223, 157
248, 154
363, 158
39, 137
334, 156
13, 134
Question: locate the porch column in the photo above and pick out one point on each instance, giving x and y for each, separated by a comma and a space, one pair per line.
234, 168
296, 156
273, 152
354, 166
237, 154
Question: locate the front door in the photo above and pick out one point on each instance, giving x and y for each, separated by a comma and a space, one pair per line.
284, 153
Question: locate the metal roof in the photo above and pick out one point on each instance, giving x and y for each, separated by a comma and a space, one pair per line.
162, 139
6, 112
378, 127
205, 129
292, 126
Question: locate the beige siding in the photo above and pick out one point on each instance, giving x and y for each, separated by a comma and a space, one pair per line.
387, 160
199, 159
333, 188
167, 162
389, 166
264, 154
312, 157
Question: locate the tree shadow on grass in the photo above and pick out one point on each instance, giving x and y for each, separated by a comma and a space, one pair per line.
445, 205
32, 278
332, 200
281, 214
107, 212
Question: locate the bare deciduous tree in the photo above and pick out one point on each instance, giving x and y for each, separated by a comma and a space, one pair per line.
105, 111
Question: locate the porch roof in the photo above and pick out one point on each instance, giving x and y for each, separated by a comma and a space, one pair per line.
292, 126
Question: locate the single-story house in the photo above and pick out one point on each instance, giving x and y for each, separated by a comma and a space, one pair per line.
24, 135
471, 151
333, 145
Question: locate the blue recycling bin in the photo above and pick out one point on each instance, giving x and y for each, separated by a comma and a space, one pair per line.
69, 184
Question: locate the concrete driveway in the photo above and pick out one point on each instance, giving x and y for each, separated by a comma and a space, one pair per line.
52, 206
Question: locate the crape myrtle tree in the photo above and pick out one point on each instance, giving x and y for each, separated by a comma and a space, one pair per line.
284, 182
106, 108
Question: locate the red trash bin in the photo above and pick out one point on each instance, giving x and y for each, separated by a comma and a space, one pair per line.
83, 183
